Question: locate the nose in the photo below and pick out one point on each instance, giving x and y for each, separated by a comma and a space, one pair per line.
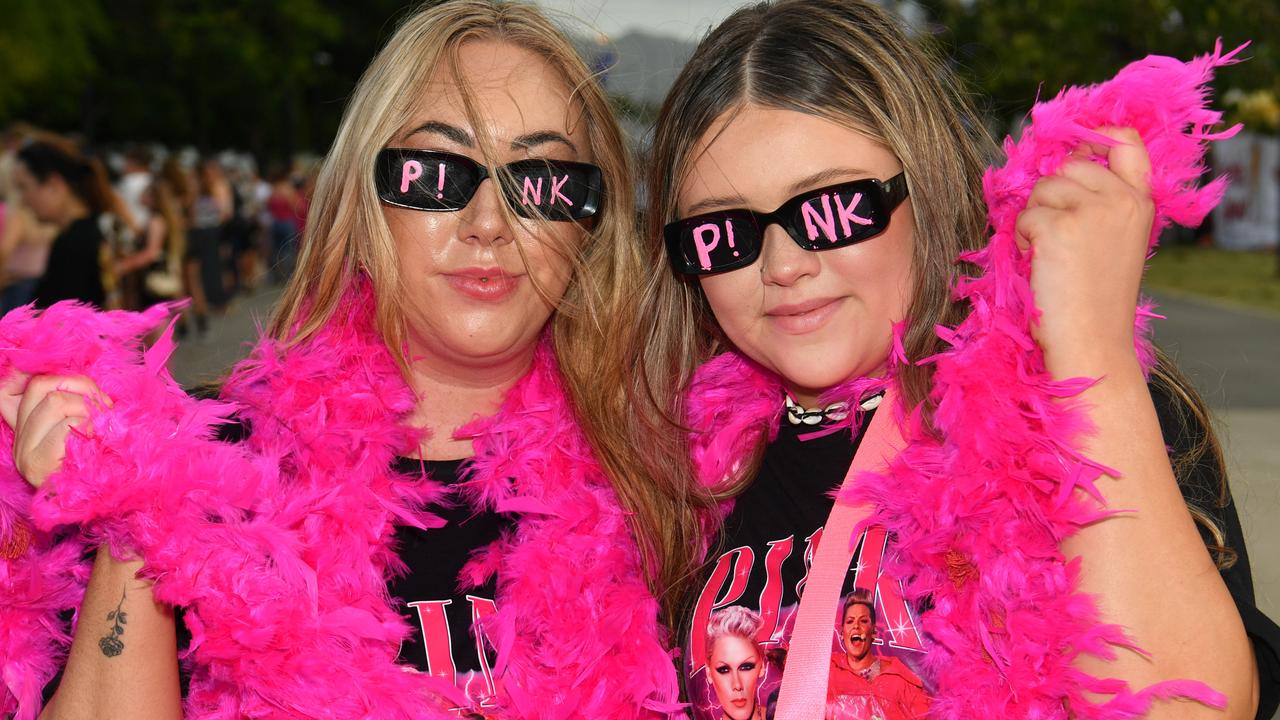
737, 680
782, 261
482, 221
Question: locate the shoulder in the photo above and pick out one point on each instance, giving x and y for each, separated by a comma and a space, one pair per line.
890, 665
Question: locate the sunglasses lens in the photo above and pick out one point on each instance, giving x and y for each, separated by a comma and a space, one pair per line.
425, 180
837, 216
554, 190
714, 242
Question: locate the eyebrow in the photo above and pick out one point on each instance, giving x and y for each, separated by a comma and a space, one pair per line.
816, 179
821, 177
524, 142
457, 135
450, 132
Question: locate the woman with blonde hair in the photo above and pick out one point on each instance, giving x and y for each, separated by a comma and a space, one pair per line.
427, 508
736, 662
153, 273
816, 185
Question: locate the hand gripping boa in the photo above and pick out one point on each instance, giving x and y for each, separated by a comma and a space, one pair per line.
279, 547
979, 515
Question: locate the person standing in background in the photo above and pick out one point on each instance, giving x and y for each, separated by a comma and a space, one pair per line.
282, 205
133, 182
209, 211
24, 240
155, 270
64, 188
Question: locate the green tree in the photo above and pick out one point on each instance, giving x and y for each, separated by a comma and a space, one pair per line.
47, 45
1014, 50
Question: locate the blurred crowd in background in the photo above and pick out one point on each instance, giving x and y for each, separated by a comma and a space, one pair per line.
126, 227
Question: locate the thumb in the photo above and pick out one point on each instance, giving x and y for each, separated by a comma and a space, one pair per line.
11, 391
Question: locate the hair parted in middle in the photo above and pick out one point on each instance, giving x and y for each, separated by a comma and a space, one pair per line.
347, 237
846, 61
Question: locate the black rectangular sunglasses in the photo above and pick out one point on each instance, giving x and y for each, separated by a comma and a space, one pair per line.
822, 219
436, 181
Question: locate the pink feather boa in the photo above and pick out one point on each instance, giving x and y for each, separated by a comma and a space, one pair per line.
279, 547
995, 497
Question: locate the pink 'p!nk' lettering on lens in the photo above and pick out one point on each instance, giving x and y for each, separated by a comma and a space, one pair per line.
440, 182
412, 170
848, 217
529, 188
703, 247
815, 222
556, 184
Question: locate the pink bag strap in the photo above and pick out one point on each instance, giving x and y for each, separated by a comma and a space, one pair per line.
804, 682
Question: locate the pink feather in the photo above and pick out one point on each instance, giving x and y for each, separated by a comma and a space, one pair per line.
280, 547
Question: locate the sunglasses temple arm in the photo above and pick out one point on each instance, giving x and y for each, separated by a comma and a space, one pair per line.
896, 189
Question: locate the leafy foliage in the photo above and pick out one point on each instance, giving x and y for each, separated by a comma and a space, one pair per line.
1014, 50
272, 77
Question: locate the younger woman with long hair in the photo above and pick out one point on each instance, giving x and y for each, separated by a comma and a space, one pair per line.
815, 180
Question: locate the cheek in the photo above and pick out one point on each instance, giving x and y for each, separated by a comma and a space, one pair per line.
733, 296
420, 238
548, 253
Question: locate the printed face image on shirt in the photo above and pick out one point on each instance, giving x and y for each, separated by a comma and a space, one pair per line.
857, 631
735, 665
863, 683
876, 645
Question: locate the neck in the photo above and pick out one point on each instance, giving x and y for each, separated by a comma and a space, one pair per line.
72, 211
451, 395
809, 398
860, 663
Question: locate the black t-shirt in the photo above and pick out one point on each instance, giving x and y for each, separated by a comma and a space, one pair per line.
74, 269
442, 616
765, 552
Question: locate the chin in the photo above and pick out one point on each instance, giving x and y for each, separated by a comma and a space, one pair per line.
496, 345
813, 375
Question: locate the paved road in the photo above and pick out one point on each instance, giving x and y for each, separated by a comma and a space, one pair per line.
203, 360
1233, 356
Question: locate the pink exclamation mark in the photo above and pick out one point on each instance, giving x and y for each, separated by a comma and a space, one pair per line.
440, 182
728, 226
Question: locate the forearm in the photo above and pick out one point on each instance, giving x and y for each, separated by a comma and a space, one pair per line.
1149, 568
123, 661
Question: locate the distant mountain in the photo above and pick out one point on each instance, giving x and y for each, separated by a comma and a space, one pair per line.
644, 65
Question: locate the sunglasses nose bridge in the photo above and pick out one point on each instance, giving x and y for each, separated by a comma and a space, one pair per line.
778, 218
783, 260
483, 219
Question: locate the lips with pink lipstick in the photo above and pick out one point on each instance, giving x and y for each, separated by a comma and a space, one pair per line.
490, 284
802, 317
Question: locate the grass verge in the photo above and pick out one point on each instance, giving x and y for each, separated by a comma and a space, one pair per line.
1244, 278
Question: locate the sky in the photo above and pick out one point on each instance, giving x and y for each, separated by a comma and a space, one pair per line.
684, 19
